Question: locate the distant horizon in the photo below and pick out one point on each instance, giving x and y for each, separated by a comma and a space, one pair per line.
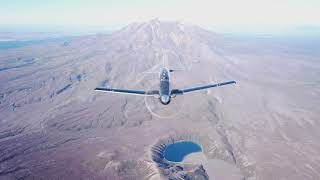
246, 16
237, 30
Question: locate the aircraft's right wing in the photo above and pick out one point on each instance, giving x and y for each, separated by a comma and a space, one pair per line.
128, 91
188, 90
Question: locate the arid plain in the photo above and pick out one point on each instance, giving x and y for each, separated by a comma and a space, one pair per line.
53, 125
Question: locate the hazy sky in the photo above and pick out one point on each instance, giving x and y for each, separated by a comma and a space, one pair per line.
116, 13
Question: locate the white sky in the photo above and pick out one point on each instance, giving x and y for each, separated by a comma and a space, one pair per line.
116, 13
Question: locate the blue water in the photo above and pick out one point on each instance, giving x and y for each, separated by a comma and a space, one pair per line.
18, 44
177, 151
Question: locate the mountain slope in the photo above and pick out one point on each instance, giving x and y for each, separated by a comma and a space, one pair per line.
54, 125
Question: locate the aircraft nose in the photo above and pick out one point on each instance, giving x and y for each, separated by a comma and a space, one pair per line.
165, 98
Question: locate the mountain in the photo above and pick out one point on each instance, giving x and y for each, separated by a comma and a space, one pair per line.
54, 125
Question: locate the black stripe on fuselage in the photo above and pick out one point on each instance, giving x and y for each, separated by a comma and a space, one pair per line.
164, 86
164, 82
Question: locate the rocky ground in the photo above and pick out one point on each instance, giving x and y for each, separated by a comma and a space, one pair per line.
54, 126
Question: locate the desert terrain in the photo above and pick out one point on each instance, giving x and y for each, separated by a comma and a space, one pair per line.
53, 125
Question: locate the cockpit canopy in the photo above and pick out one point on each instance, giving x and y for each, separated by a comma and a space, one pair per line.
164, 75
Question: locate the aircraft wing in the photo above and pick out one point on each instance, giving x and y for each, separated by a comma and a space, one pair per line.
194, 89
128, 91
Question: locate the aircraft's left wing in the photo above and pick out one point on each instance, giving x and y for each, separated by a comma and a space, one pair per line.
128, 91
188, 90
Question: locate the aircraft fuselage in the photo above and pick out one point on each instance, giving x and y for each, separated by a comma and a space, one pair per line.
165, 86
164, 93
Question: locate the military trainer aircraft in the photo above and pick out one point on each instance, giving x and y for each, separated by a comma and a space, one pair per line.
165, 93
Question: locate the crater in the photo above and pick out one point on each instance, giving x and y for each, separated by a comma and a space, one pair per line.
176, 152
190, 155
